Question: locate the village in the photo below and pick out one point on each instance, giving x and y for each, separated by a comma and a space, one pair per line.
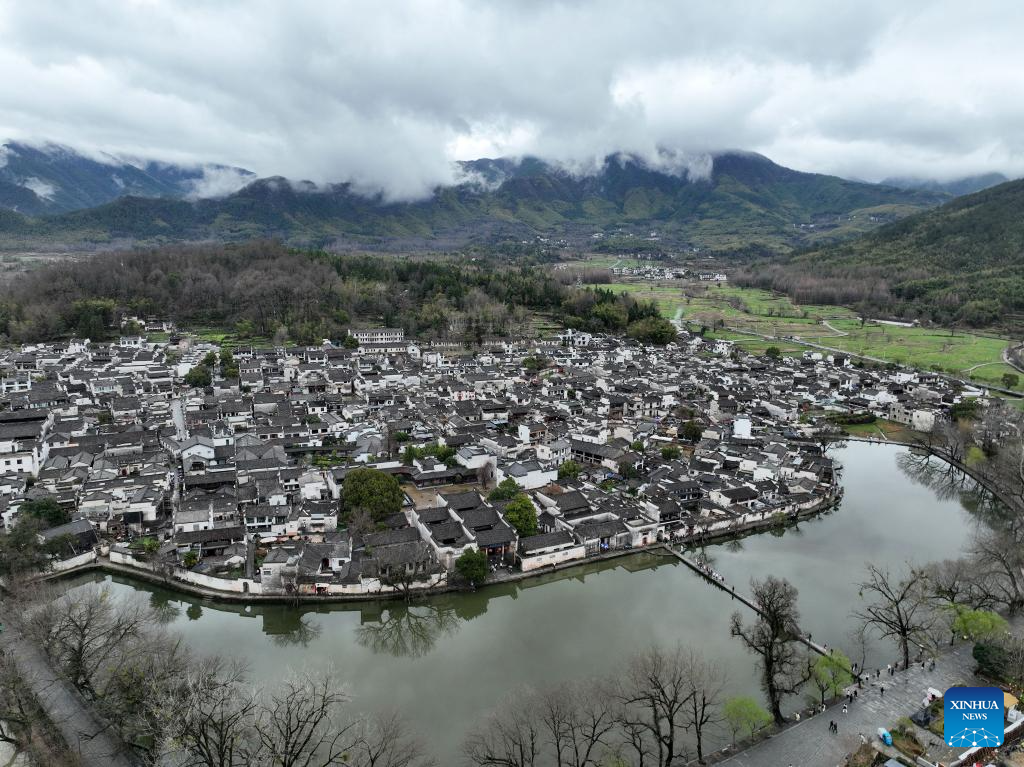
233, 481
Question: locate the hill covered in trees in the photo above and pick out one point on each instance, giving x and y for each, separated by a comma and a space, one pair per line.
265, 291
735, 201
961, 263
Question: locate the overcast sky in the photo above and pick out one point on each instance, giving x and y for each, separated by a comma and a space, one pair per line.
389, 93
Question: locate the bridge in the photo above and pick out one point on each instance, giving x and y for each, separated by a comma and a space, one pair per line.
717, 580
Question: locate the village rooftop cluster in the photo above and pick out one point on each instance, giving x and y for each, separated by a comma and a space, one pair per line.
237, 486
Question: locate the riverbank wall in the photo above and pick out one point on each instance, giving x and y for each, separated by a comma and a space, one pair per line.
118, 561
943, 456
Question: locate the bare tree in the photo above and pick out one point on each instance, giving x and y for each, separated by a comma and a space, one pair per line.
18, 713
211, 716
299, 723
998, 561
652, 696
384, 740
578, 722
402, 566
774, 638
510, 737
707, 682
955, 582
897, 609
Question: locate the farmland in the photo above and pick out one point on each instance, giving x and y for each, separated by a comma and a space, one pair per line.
725, 309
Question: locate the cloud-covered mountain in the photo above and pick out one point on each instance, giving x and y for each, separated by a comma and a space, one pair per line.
955, 187
47, 179
724, 202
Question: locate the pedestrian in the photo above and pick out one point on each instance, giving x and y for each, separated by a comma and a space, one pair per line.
844, 708
882, 690
878, 673
823, 708
888, 668
796, 716
855, 695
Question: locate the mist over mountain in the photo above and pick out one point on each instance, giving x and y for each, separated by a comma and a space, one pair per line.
725, 201
49, 179
956, 187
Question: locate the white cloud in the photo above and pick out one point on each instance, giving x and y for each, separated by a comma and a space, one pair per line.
387, 95
218, 182
42, 189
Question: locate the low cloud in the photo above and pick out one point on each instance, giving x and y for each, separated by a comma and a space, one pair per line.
218, 182
388, 96
40, 188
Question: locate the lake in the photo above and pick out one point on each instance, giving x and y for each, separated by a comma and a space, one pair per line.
447, 660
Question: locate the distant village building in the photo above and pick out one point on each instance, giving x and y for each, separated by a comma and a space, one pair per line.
378, 335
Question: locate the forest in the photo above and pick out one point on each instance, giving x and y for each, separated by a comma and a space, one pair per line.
961, 264
265, 290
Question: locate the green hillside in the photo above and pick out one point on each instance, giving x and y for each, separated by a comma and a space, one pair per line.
961, 263
748, 201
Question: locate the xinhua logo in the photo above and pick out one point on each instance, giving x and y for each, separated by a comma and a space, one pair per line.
973, 716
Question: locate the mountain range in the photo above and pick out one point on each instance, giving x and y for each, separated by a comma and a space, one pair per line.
955, 187
53, 179
737, 201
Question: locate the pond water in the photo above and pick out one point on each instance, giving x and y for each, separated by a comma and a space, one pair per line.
446, 661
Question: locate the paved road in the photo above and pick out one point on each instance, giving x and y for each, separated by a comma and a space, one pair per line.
809, 743
95, 745
178, 414
834, 329
834, 350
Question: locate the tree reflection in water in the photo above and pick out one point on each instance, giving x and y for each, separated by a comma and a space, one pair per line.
299, 633
406, 630
164, 609
949, 483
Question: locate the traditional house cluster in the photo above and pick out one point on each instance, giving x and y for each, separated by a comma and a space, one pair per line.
616, 445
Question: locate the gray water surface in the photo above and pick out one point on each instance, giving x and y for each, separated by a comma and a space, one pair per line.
447, 660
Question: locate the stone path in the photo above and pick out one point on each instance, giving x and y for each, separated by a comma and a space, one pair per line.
731, 590
809, 743
92, 742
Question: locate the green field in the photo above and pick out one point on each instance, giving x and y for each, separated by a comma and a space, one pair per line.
882, 429
721, 308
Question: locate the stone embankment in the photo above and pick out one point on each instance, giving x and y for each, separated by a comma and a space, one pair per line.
121, 561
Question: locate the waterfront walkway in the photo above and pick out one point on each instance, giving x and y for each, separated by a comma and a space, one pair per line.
718, 580
809, 743
92, 742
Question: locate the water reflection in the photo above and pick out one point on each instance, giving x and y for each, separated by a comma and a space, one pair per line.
950, 484
390, 628
164, 608
300, 634
408, 630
